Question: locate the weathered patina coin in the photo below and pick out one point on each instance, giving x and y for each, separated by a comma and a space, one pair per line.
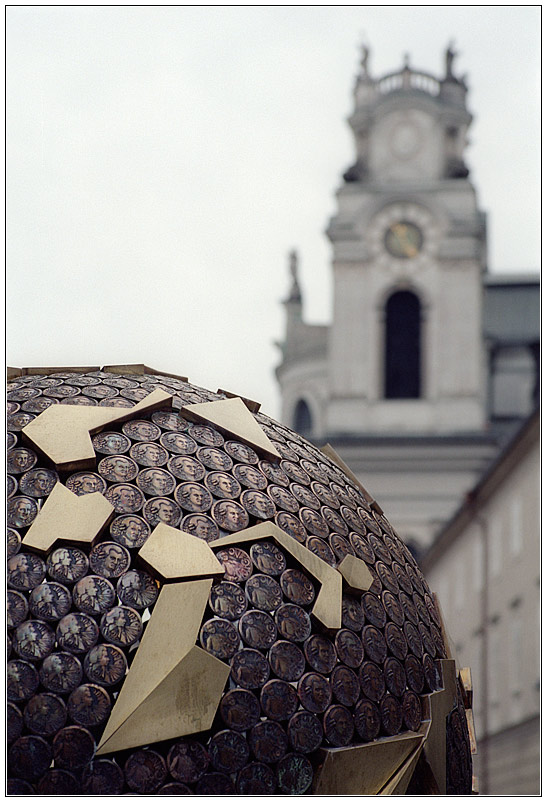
374, 643
314, 692
29, 757
121, 626
345, 685
58, 782
268, 558
115, 402
14, 722
86, 482
278, 700
294, 774
67, 565
137, 589
256, 779
320, 653
131, 531
387, 577
353, 521
287, 660
291, 525
23, 393
236, 562
293, 623
33, 640
258, 629
241, 452
340, 546
396, 641
13, 542
149, 455
367, 719
80, 401
321, 549
362, 548
187, 761
263, 592
220, 638
305, 732
214, 459
334, 521
118, 468
338, 725
193, 496
21, 680
285, 450
12, 407
135, 393
16, 608
215, 783
391, 714
61, 672
11, 485
45, 713
89, 705
170, 421
427, 639
141, 430
222, 485
432, 673
206, 435
304, 496
111, 443
18, 421
227, 600
250, 669
268, 741
11, 440
412, 711
125, 498
186, 468
274, 473
25, 571
145, 771
325, 495
349, 648
374, 610
353, 616
414, 673
249, 476
162, 510
93, 595
229, 751
230, 515
102, 778
297, 587
105, 664
21, 511
178, 443
372, 681
100, 391
38, 482
395, 676
200, 525
258, 504
402, 578
379, 547
109, 560
314, 522
283, 498
50, 601
76, 633
413, 639
239, 709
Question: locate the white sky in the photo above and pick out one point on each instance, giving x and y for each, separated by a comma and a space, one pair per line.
162, 162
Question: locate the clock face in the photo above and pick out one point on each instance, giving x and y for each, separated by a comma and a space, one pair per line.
403, 239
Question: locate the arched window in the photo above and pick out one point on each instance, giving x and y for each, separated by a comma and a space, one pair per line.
302, 419
403, 346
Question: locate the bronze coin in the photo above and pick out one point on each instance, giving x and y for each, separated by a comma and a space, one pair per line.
45, 714
100, 391
105, 664
294, 774
118, 468
258, 504
305, 732
137, 589
141, 430
297, 587
370, 523
22, 680
396, 641
149, 455
313, 522
304, 496
414, 674
291, 525
58, 782
325, 495
67, 565
220, 638
230, 515
287, 660
283, 498
256, 779
25, 571
362, 548
393, 607
432, 673
353, 521
408, 606
387, 577
263, 592
214, 459
268, 741
391, 714
21, 511
334, 521
93, 594
402, 578
258, 629
80, 400
102, 778
236, 563
320, 654
353, 616
338, 725
121, 626
178, 443
13, 406
222, 485
321, 549
109, 560
135, 393
374, 643
205, 435
427, 639
115, 402
186, 468
380, 549
412, 711
349, 648
161, 510
17, 608
316, 471
23, 393
89, 705
14, 722
29, 757
33, 640
50, 601
278, 699
145, 771
374, 610
367, 720
413, 639
372, 681
250, 477
314, 692
421, 609
229, 751
345, 685
111, 443
267, 558
201, 526
227, 600
86, 482
76, 633
125, 498
18, 421
13, 542
187, 761
432, 610
215, 783
340, 545
250, 669
193, 496
274, 473
395, 676
293, 622
439, 641
38, 483
286, 452
169, 420
239, 709
130, 531
241, 452
61, 672
73, 747
414, 578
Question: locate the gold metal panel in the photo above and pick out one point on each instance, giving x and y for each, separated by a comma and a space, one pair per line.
328, 604
68, 517
355, 573
441, 703
399, 782
252, 406
466, 687
126, 370
233, 418
12, 373
364, 769
471, 731
44, 371
329, 451
175, 554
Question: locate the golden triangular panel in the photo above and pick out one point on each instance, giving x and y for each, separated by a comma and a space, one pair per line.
175, 554
232, 417
399, 782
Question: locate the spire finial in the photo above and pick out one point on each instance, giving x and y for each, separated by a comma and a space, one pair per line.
406, 61
450, 55
295, 293
365, 52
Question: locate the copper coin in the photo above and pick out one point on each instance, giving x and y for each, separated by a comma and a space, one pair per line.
58, 782
125, 498
131, 531
334, 521
156, 481
421, 608
100, 391
222, 485
297, 587
105, 664
286, 451
230, 515
374, 643
352, 519
345, 685
372, 681
291, 525
215, 783
11, 485
402, 578
256, 779
258, 629
387, 577
11, 440
13, 542
353, 616
186, 468
94, 594
193, 496
67, 565
338, 725
14, 722
349, 648
432, 609
325, 495
115, 402
294, 774
431, 673
362, 548
109, 559
145, 771
22, 680
23, 393
314, 692
340, 545
379, 547
33, 640
25, 571
86, 482
268, 741
21, 511
121, 626
283, 498
370, 523
287, 660
214, 459
50, 601
13, 406
149, 455
135, 393
102, 778
413, 639
278, 699
396, 641
80, 400
391, 714
169, 420
45, 714
111, 443
187, 761
161, 510
412, 711
227, 600
29, 757
439, 641
293, 622
220, 638
367, 720
239, 709
263, 592
414, 578
200, 526
249, 476
89, 705
18, 421
258, 504
137, 589
61, 672
20, 460
250, 669
321, 549
427, 639
320, 654
38, 483
313, 522
178, 443
274, 473
374, 610
76, 633
118, 468
236, 562
305, 732
17, 608
206, 435
395, 676
304, 496
229, 751
267, 558
414, 673
141, 430
241, 452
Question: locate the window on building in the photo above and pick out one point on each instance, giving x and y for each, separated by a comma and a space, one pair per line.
302, 419
403, 345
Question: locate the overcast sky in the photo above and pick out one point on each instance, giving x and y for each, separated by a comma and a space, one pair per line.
163, 161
